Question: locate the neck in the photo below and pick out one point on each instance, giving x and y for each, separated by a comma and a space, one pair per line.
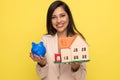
61, 34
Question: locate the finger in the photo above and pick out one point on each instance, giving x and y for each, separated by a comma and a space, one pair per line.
36, 58
31, 55
77, 62
43, 58
72, 63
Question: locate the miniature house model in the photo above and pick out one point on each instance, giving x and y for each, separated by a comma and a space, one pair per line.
72, 49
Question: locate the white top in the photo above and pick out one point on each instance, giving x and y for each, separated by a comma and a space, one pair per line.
52, 71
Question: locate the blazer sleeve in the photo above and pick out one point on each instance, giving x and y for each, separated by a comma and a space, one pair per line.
81, 73
42, 71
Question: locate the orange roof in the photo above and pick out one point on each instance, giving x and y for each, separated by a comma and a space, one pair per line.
65, 42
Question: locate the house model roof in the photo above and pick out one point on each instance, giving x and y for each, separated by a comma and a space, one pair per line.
65, 42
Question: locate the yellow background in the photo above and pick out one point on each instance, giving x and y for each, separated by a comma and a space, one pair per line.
24, 21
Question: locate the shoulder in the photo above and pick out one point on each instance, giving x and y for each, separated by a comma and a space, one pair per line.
48, 37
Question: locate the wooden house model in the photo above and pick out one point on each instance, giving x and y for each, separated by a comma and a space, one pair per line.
72, 49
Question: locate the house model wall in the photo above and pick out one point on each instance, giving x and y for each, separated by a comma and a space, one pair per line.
79, 50
73, 49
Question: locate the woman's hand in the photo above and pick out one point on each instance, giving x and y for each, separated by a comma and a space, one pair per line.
40, 60
75, 66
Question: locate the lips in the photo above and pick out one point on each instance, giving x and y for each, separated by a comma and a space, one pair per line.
59, 25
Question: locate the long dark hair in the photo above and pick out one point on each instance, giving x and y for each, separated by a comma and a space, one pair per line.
71, 29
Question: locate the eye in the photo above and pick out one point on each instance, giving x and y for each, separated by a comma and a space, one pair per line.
53, 17
62, 15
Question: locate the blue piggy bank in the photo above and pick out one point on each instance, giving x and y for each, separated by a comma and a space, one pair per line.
38, 49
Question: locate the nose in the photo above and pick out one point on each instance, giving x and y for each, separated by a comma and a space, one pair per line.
58, 19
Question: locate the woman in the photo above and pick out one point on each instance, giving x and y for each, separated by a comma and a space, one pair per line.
59, 24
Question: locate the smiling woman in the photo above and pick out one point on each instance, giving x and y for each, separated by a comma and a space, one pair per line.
23, 21
59, 24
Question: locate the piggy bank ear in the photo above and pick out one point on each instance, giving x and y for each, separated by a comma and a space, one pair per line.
33, 44
41, 43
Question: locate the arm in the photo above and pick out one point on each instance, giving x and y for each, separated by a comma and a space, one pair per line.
80, 73
42, 71
42, 66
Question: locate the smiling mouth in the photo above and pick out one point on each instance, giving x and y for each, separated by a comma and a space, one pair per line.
59, 25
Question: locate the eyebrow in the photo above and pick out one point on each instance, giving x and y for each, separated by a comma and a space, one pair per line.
59, 14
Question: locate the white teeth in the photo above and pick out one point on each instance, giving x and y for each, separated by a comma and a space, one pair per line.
60, 25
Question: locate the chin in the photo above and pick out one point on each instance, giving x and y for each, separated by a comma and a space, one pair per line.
60, 30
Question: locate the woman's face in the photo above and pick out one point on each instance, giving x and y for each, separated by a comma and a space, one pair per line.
60, 20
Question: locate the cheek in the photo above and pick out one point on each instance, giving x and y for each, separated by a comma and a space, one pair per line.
66, 20
53, 22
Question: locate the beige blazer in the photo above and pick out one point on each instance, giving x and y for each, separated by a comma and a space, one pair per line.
57, 71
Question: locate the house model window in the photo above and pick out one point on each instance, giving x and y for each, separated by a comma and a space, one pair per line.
65, 57
84, 56
84, 49
75, 50
76, 57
